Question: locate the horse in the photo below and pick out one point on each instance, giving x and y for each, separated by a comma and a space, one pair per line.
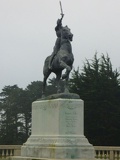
62, 60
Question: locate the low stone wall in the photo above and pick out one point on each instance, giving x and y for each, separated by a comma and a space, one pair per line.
106, 152
102, 152
10, 150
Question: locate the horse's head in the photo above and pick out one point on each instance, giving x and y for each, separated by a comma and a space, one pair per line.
66, 33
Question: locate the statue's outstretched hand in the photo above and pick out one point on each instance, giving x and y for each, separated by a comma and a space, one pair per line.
59, 21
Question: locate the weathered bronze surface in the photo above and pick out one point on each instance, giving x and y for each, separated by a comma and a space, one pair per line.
61, 58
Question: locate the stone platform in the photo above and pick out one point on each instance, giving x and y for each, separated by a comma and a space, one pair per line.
57, 131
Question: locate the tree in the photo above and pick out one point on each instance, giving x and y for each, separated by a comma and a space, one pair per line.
9, 112
98, 86
15, 111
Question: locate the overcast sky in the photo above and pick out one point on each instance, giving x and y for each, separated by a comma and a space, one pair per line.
27, 34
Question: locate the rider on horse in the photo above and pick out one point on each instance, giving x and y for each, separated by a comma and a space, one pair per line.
58, 40
61, 57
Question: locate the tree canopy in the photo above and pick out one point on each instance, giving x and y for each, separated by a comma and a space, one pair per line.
99, 86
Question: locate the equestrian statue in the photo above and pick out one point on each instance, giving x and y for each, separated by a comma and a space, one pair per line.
61, 57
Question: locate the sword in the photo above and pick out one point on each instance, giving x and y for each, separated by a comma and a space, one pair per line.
61, 9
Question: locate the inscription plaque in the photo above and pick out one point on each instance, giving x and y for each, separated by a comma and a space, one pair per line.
71, 118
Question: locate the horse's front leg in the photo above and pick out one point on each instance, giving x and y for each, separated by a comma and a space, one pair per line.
68, 69
66, 88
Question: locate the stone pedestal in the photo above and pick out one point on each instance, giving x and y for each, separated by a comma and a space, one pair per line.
58, 131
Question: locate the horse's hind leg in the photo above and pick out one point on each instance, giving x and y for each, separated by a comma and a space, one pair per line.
58, 76
44, 83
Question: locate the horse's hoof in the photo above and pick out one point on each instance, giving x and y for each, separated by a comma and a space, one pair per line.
68, 69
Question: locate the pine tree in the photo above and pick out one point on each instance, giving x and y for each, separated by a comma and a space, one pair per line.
98, 85
10, 117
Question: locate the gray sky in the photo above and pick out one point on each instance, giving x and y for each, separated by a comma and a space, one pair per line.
27, 34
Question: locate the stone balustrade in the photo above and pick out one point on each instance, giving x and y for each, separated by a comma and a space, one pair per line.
102, 152
10, 150
108, 153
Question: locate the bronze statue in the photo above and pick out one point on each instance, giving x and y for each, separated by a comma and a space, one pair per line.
61, 58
